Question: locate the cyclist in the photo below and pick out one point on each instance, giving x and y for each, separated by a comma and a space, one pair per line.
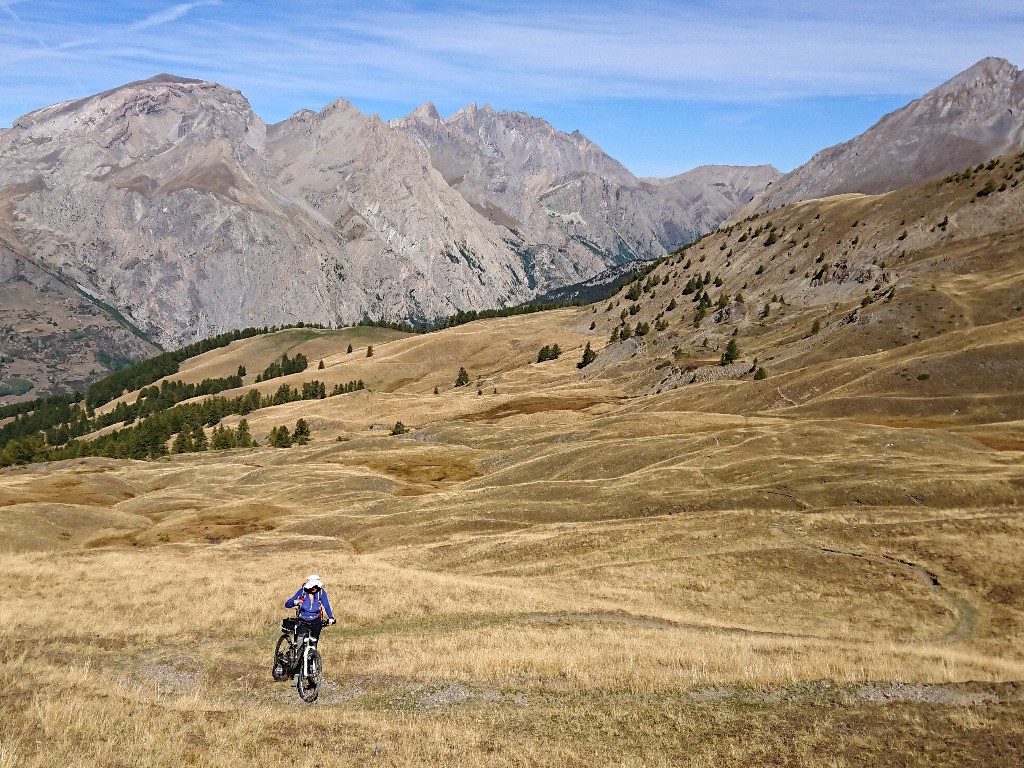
311, 603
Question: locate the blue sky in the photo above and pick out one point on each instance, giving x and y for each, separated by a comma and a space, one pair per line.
662, 86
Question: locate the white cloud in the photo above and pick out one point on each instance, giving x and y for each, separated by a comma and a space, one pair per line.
168, 15
521, 51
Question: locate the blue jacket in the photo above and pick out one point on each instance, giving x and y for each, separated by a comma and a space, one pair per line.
311, 605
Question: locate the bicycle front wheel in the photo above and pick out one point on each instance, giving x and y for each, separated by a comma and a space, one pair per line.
282, 665
311, 677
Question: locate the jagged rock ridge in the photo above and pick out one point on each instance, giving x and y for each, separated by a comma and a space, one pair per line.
974, 116
564, 196
170, 200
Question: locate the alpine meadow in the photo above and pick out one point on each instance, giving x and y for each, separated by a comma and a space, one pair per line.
724, 469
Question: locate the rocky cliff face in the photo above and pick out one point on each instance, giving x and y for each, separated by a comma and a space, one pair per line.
158, 199
171, 201
976, 115
52, 338
558, 190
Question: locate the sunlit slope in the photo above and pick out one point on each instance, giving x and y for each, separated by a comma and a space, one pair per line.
905, 306
651, 560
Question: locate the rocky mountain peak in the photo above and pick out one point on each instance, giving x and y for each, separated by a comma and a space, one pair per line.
170, 200
970, 118
987, 72
425, 111
144, 118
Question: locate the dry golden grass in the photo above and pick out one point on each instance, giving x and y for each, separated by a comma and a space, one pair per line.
624, 584
565, 567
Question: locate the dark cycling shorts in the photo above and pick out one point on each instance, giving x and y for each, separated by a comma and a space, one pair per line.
310, 627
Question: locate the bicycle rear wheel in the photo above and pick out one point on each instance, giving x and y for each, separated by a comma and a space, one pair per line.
282, 664
311, 678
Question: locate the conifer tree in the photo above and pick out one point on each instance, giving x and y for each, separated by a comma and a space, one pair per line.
462, 379
223, 438
349, 350
301, 434
199, 441
589, 356
183, 441
242, 437
731, 354
280, 437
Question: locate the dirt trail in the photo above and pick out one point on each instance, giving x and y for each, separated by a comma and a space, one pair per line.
404, 694
650, 622
963, 612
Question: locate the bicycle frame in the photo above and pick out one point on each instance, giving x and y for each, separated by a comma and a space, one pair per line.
297, 655
309, 643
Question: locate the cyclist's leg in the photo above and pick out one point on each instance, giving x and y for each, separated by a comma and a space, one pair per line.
314, 628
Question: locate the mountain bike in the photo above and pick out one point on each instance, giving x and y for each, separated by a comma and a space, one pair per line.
296, 654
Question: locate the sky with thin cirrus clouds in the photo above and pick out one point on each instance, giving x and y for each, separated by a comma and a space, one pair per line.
663, 86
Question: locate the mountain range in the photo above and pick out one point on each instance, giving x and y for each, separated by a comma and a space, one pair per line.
170, 200
165, 210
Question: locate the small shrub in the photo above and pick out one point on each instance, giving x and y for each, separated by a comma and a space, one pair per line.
548, 353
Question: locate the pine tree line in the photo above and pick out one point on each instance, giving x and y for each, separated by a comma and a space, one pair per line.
147, 439
284, 367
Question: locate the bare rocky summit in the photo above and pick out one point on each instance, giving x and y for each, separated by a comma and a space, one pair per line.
172, 202
576, 210
976, 115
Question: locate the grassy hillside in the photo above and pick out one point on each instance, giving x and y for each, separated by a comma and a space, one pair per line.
654, 559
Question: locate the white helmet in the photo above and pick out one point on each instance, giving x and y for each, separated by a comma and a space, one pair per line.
313, 581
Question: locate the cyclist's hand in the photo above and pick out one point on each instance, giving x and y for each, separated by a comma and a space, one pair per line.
331, 621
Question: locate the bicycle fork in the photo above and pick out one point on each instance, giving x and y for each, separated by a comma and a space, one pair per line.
310, 645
